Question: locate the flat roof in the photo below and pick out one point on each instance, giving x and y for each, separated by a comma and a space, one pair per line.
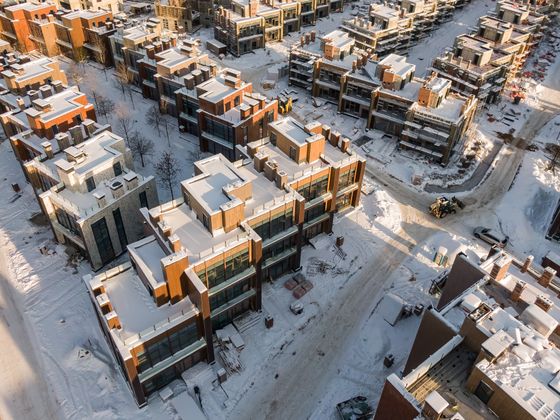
135, 307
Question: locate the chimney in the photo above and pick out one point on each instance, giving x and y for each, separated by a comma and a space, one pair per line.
131, 180
63, 140
46, 91
100, 198
57, 85
544, 303
20, 103
33, 95
259, 160
76, 134
354, 66
527, 264
112, 320
281, 179
150, 52
326, 131
175, 243
270, 169
334, 138
312, 36
117, 189
165, 229
345, 145
546, 277
47, 148
302, 41
500, 268
518, 290
89, 126
189, 81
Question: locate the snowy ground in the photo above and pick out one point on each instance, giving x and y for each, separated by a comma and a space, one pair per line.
61, 367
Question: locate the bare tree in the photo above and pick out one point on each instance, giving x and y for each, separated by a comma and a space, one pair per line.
154, 117
124, 79
101, 53
163, 109
80, 56
168, 171
124, 120
141, 146
76, 74
105, 106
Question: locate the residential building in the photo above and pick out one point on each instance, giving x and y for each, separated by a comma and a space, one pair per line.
246, 25
75, 29
164, 73
423, 113
231, 115
48, 111
22, 74
208, 253
89, 191
184, 15
111, 6
488, 349
128, 45
385, 31
481, 63
15, 26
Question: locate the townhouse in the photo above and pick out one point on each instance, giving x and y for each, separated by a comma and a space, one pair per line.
487, 349
231, 115
21, 74
48, 111
184, 15
86, 186
422, 113
247, 25
481, 63
208, 253
111, 6
15, 25
165, 72
128, 45
395, 28
74, 34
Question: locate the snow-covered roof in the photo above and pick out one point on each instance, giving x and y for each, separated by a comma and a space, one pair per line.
139, 316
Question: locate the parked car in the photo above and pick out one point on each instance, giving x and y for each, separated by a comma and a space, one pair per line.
490, 236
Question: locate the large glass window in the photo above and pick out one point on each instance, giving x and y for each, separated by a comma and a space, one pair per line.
270, 227
120, 228
315, 188
314, 212
90, 183
228, 294
346, 178
103, 240
219, 130
278, 247
66, 220
225, 269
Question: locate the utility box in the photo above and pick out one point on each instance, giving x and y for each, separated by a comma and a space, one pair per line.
222, 375
340, 241
268, 321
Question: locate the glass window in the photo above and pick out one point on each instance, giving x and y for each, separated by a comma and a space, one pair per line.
90, 183
117, 168
143, 199
120, 228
